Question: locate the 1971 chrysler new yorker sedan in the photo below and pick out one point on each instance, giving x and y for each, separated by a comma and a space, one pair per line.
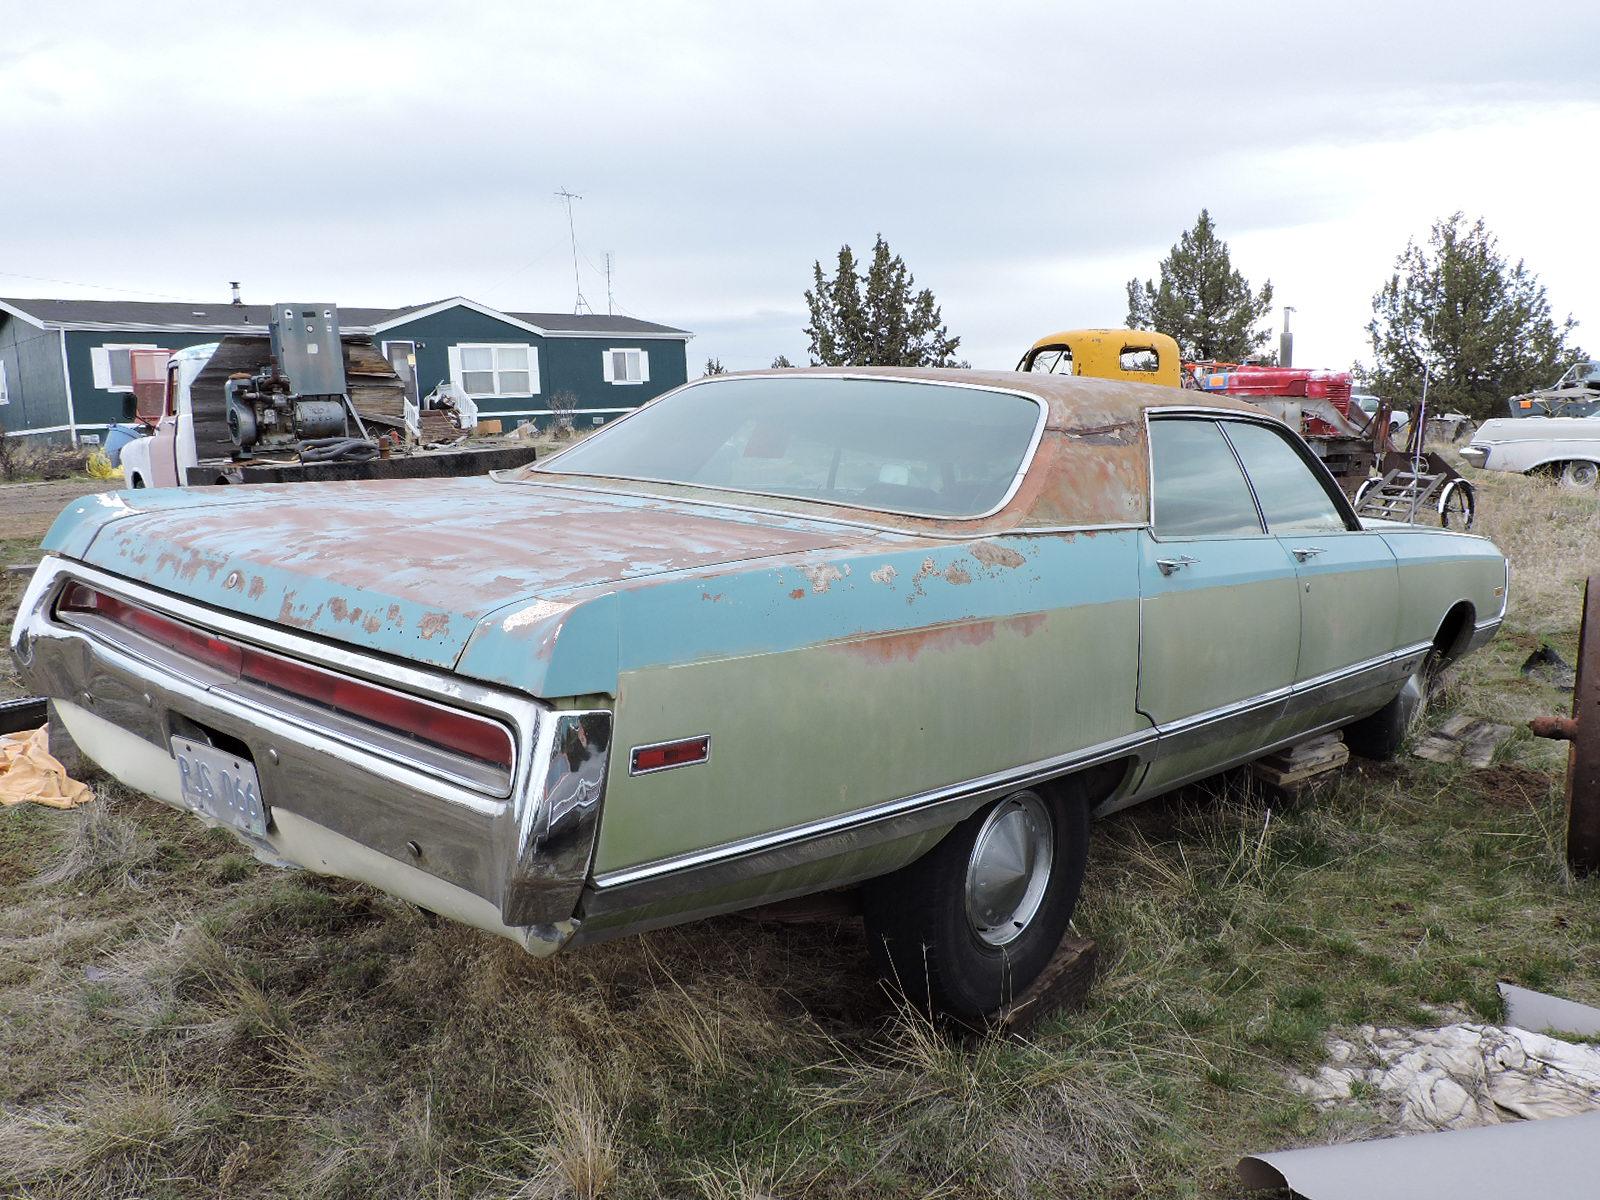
768, 635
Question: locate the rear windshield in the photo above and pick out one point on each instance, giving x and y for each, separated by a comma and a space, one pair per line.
926, 449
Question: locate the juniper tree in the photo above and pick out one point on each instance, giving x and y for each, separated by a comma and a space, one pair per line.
1480, 325
1202, 301
875, 319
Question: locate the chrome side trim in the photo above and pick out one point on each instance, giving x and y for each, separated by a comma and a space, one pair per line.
1226, 712
735, 862
1483, 633
732, 862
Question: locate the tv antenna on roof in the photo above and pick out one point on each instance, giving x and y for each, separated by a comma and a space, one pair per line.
580, 304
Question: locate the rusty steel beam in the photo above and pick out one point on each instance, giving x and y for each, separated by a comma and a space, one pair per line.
1582, 730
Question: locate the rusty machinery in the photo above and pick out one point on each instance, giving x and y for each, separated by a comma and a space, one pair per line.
298, 403
1582, 731
1399, 483
1410, 482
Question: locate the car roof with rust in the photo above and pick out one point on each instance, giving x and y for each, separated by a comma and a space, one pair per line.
1091, 469
1073, 400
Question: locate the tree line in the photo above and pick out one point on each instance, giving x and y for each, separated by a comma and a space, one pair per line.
1454, 309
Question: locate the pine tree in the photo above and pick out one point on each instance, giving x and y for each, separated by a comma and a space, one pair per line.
781, 362
1202, 301
714, 367
876, 319
1480, 326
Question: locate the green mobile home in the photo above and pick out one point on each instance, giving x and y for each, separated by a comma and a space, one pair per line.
64, 368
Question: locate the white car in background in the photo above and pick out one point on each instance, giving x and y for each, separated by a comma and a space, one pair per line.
1566, 447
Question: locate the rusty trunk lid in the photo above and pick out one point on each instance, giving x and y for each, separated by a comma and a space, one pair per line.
411, 567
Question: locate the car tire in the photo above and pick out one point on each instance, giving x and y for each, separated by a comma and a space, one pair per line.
1381, 736
964, 929
1580, 475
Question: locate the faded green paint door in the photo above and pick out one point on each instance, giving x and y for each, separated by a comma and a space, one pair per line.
1219, 608
1349, 580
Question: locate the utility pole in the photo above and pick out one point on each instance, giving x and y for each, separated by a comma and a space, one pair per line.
609, 313
580, 304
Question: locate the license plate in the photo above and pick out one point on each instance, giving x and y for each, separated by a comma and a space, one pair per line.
220, 785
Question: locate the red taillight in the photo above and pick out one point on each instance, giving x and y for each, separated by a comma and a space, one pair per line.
669, 754
214, 652
458, 732
464, 734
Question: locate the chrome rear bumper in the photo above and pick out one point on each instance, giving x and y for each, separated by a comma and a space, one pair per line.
511, 860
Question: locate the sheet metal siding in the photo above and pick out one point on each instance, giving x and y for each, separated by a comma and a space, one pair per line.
95, 406
565, 363
33, 377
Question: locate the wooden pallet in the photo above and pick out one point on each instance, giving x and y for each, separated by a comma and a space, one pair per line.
1301, 763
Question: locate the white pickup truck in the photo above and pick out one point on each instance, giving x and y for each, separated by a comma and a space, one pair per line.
163, 458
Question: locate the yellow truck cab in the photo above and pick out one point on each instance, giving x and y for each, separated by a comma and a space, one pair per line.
1132, 354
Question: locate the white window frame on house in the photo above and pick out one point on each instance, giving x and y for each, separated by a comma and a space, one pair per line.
100, 363
459, 373
5, 395
635, 365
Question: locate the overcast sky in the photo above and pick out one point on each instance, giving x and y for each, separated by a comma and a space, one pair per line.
1025, 159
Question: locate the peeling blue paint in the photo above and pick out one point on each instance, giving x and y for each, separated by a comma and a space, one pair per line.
556, 591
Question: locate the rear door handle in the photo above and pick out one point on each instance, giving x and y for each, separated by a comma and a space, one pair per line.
1301, 553
1169, 565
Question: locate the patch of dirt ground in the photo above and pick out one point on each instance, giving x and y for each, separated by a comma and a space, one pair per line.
29, 509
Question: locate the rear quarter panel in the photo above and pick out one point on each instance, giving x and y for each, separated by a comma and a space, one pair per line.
831, 686
1440, 569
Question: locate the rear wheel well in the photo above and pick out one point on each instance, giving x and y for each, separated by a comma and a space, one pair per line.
1455, 631
1097, 783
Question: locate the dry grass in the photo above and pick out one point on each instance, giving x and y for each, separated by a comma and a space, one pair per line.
177, 1021
35, 458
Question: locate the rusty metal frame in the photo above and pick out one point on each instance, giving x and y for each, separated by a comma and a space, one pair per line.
1582, 731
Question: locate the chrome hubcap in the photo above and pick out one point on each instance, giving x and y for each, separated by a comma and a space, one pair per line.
1582, 474
1009, 868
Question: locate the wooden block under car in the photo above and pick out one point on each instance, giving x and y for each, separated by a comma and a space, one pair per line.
1064, 983
1302, 762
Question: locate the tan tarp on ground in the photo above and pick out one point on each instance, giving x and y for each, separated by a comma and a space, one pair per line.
29, 774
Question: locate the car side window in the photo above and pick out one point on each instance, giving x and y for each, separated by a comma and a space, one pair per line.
1198, 487
1292, 498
